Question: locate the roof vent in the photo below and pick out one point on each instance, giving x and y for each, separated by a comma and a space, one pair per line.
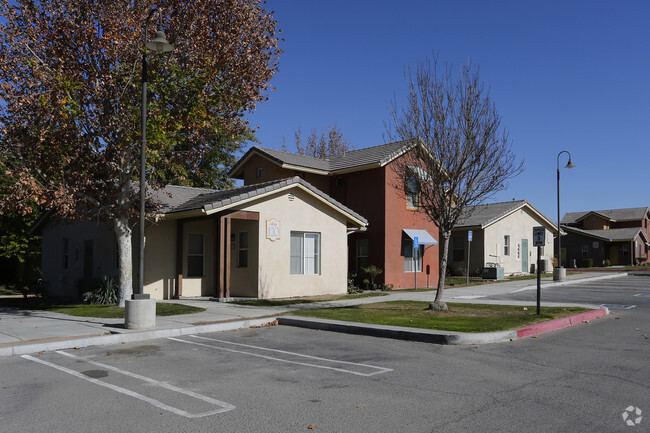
291, 197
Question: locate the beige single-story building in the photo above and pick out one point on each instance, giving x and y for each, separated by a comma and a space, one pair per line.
283, 238
502, 238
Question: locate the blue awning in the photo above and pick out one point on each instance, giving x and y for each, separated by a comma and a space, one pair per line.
424, 238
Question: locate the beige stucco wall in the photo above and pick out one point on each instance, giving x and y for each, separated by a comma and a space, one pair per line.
160, 260
307, 214
518, 225
268, 273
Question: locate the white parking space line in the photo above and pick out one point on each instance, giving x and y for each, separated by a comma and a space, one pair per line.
223, 407
374, 369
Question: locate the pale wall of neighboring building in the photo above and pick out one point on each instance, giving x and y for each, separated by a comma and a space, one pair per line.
86, 242
518, 225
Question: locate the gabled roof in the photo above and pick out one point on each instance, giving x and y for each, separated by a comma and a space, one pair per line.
611, 235
353, 160
484, 215
205, 202
630, 214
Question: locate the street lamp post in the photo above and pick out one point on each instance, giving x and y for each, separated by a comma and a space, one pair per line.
140, 311
158, 44
559, 273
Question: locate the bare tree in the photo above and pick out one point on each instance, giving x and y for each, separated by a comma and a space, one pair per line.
330, 142
464, 155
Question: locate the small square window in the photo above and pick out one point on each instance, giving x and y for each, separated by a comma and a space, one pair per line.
260, 173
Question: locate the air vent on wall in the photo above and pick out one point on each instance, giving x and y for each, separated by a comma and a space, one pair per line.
291, 197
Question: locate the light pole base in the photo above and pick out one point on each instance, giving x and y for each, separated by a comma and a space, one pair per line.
559, 274
140, 313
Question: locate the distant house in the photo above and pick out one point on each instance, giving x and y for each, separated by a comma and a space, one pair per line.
614, 236
282, 238
365, 181
502, 237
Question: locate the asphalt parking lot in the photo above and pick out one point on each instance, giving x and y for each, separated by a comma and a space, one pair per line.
284, 379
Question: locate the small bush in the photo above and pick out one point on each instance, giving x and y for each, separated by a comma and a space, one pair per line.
105, 293
588, 262
373, 272
607, 262
386, 287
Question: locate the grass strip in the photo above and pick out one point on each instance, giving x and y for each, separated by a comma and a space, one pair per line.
100, 311
281, 302
459, 318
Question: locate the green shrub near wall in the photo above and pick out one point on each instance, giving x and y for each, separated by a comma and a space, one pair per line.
588, 262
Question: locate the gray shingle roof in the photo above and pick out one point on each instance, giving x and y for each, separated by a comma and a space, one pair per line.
485, 214
210, 200
612, 235
377, 155
630, 214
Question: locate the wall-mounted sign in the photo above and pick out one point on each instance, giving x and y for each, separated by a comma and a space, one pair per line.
272, 229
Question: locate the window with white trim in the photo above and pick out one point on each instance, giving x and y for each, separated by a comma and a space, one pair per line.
506, 245
195, 253
411, 263
305, 253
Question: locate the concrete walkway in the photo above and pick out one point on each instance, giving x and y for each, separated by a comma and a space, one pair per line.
30, 331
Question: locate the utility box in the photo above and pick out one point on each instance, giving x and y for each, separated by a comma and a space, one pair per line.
493, 273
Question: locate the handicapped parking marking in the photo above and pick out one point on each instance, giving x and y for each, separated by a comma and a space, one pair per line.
371, 370
222, 406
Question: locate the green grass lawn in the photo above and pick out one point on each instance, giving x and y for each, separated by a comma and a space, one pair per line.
281, 302
459, 318
99, 311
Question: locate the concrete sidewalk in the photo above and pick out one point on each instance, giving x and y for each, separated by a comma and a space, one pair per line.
30, 331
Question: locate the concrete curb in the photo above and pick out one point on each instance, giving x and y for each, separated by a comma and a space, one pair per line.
439, 337
563, 322
128, 337
568, 282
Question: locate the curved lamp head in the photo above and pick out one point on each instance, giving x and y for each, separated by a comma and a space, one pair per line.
569, 164
159, 43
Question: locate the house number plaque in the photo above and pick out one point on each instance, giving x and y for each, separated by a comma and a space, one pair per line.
272, 229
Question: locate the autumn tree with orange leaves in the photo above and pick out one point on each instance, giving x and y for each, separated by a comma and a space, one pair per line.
70, 90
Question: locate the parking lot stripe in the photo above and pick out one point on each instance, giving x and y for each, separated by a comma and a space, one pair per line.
379, 370
224, 407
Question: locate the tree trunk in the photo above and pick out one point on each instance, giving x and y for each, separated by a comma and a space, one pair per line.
438, 304
125, 259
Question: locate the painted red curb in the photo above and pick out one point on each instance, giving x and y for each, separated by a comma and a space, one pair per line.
552, 325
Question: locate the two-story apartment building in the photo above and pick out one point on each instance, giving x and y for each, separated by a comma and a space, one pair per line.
364, 180
615, 236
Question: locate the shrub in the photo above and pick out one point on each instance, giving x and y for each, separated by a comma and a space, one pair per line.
372, 271
588, 262
386, 287
105, 293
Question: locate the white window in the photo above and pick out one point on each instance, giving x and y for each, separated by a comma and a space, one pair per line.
305, 253
411, 263
195, 248
242, 250
506, 245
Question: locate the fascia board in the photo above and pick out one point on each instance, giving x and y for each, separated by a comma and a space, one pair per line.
305, 169
279, 190
184, 214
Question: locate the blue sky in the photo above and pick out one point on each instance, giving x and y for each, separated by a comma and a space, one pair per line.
564, 75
